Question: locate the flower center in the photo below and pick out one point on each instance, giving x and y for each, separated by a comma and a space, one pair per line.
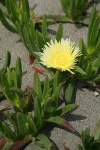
62, 60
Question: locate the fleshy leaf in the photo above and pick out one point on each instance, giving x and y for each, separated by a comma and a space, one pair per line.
96, 132
44, 27
79, 70
2, 143
20, 143
7, 146
65, 109
43, 142
66, 148
60, 121
69, 91
59, 33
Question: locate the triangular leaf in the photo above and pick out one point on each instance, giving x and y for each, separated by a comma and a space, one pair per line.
96, 132
22, 124
69, 91
6, 23
37, 86
44, 27
60, 121
59, 33
43, 142
79, 70
7, 62
65, 109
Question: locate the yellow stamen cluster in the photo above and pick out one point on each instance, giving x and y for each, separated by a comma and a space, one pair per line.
60, 55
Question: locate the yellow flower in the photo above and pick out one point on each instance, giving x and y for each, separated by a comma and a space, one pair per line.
60, 55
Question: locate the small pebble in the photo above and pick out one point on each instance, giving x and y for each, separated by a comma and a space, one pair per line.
96, 93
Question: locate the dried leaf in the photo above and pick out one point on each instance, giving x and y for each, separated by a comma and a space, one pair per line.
2, 143
31, 59
37, 70
66, 148
18, 144
69, 126
6, 107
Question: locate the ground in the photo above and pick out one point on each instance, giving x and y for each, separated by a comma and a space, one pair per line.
87, 114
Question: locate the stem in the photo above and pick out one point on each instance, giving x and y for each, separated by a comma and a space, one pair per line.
2, 143
64, 19
18, 144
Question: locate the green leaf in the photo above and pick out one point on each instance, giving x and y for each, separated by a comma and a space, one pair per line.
44, 27
80, 147
7, 146
32, 31
14, 78
13, 119
5, 86
96, 62
46, 87
96, 132
27, 39
32, 125
37, 86
57, 91
83, 52
14, 16
85, 136
94, 32
26, 8
96, 79
6, 23
90, 141
19, 67
4, 81
91, 22
72, 9
43, 142
60, 121
9, 75
65, 109
79, 70
8, 5
66, 7
40, 40
69, 91
18, 91
3, 141
95, 145
38, 112
54, 98
84, 21
55, 80
59, 33
59, 18
96, 50
63, 5
18, 72
3, 8
22, 124
7, 62
89, 70
8, 132
1, 128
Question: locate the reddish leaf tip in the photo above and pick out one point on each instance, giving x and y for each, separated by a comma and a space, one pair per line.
2, 143
30, 59
69, 126
66, 148
37, 70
